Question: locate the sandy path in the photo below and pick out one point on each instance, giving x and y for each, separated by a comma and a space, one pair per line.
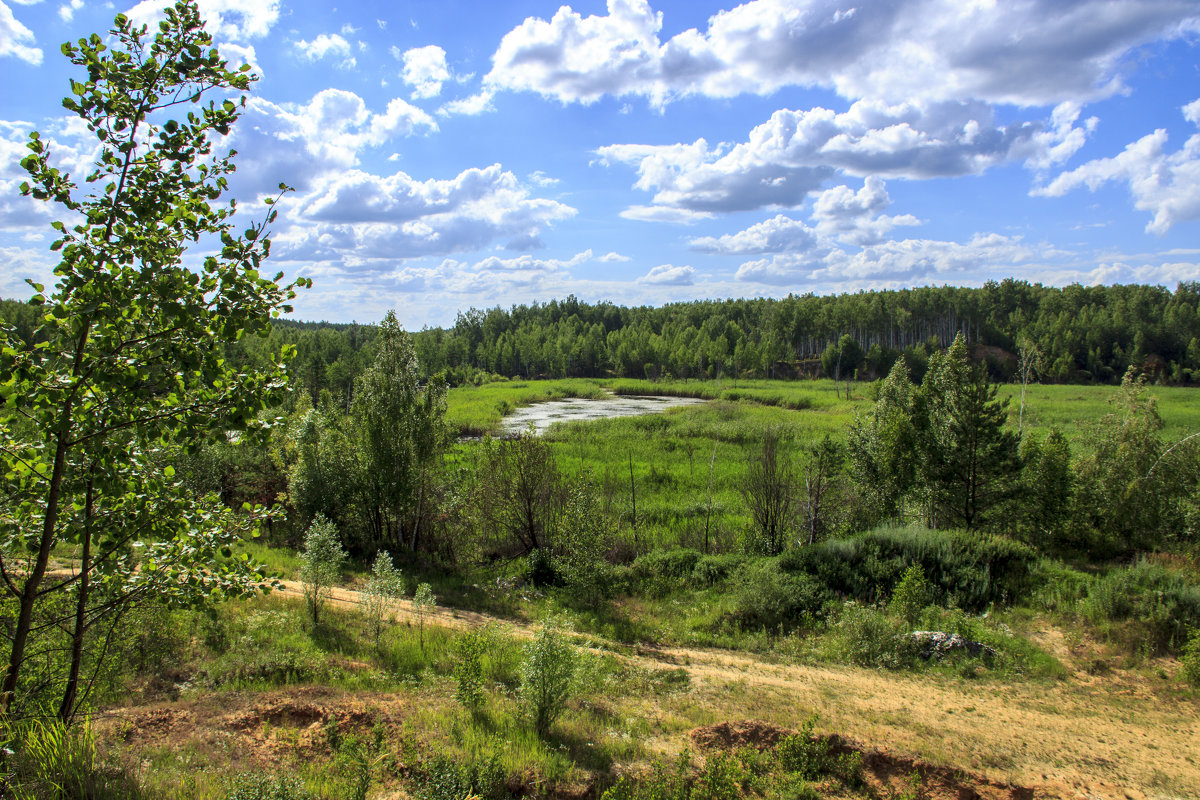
1107, 738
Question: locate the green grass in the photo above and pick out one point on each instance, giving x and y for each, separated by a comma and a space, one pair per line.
475, 410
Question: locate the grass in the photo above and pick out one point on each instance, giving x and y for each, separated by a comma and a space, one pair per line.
475, 410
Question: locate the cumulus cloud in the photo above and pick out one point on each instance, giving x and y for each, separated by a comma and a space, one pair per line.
669, 275
795, 152
230, 20
72, 148
396, 216
908, 261
66, 12
469, 106
15, 39
1038, 52
295, 143
777, 235
678, 216
612, 258
1163, 183
857, 217
327, 45
425, 70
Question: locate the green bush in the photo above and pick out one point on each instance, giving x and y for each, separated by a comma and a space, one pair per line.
911, 595
712, 570
972, 570
1190, 659
1161, 606
268, 786
660, 571
766, 597
546, 676
468, 669
470, 779
870, 638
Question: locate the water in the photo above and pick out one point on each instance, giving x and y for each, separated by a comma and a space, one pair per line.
578, 409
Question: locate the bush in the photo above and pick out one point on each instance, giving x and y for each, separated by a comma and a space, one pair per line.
468, 669
1161, 606
711, 570
321, 563
660, 571
471, 779
258, 786
546, 676
767, 597
972, 570
911, 595
1190, 659
384, 589
870, 638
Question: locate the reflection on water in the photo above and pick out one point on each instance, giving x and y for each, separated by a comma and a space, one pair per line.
543, 415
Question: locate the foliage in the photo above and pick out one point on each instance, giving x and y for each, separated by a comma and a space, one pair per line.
882, 446
767, 598
547, 675
423, 603
870, 638
321, 563
521, 492
972, 570
384, 589
770, 492
129, 367
267, 786
911, 595
468, 669
1162, 605
53, 762
1047, 491
1189, 659
462, 779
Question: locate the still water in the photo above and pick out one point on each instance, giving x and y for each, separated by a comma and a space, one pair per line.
543, 415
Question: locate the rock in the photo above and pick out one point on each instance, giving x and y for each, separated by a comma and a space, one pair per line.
936, 644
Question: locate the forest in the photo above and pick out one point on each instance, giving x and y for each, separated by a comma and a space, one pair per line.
933, 543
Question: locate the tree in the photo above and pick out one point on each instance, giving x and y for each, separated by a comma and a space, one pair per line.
424, 603
384, 588
882, 446
521, 491
770, 491
969, 461
399, 430
128, 367
822, 468
546, 676
320, 563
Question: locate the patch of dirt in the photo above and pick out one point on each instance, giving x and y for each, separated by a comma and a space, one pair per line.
732, 735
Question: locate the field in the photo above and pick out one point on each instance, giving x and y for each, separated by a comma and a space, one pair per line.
1073, 698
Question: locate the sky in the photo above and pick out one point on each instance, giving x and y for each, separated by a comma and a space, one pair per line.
449, 154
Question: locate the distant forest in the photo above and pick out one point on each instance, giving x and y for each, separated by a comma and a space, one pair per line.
1079, 334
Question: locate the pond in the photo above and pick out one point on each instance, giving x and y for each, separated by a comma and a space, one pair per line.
578, 409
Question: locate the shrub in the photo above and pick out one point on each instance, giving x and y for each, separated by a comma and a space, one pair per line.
870, 638
660, 571
911, 595
1161, 606
546, 676
468, 669
1190, 659
384, 588
972, 570
321, 563
711, 570
268, 786
455, 779
767, 597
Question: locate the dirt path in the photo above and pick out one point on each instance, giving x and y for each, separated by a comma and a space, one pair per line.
1116, 737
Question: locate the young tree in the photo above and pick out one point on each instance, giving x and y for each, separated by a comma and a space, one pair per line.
129, 363
521, 491
770, 491
384, 589
822, 469
969, 460
883, 446
546, 676
321, 564
424, 603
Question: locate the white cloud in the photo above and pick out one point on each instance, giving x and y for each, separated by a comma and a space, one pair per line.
15, 39
21, 263
469, 106
612, 258
369, 217
857, 217
795, 152
669, 275
906, 261
233, 20
1165, 184
327, 45
1037, 52
294, 143
66, 12
677, 216
539, 178
72, 149
777, 235
425, 70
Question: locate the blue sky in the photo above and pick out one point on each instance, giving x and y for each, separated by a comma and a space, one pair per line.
453, 154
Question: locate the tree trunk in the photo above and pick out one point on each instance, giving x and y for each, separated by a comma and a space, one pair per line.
66, 709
